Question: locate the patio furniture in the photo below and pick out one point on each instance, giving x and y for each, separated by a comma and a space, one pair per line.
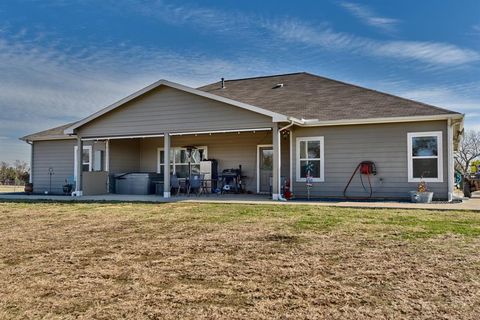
174, 185
195, 184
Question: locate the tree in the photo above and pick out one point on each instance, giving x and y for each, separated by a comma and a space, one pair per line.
16, 174
468, 150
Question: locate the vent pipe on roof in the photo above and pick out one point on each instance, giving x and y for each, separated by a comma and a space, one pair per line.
223, 83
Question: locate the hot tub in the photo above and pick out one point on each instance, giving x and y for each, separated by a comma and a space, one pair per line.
136, 182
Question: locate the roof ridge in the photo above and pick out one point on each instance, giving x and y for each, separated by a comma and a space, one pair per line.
269, 76
380, 92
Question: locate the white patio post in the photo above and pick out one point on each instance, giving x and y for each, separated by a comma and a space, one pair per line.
450, 165
276, 162
78, 182
166, 165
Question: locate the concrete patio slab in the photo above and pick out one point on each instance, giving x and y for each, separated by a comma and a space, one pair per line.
467, 204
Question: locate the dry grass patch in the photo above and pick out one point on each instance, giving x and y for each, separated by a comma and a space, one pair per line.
170, 261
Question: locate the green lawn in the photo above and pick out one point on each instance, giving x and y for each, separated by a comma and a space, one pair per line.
177, 261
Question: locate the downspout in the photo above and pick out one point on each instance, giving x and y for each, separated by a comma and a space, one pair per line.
30, 177
280, 196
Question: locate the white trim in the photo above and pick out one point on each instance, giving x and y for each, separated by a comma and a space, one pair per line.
319, 123
450, 165
322, 158
177, 134
276, 117
439, 155
123, 137
219, 131
159, 165
258, 163
90, 158
291, 161
107, 155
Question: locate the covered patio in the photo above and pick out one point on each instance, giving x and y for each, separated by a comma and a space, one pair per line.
252, 153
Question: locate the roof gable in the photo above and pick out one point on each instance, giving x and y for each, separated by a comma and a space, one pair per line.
275, 116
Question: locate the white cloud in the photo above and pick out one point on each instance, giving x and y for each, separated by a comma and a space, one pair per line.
47, 85
367, 16
433, 53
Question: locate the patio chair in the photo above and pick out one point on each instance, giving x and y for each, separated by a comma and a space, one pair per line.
195, 184
174, 185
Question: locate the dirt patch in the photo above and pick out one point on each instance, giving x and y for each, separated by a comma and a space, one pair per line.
176, 261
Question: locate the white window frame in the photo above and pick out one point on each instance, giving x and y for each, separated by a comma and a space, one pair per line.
439, 156
173, 163
322, 158
90, 158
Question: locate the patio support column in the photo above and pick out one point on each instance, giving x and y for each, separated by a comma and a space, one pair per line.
276, 161
450, 165
78, 182
166, 164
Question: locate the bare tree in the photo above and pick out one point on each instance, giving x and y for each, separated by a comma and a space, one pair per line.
468, 150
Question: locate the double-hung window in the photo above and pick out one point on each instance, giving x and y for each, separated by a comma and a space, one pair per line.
179, 161
310, 158
425, 156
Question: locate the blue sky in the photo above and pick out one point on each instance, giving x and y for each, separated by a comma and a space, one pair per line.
62, 60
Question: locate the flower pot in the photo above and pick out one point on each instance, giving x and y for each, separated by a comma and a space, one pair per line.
28, 188
67, 188
421, 197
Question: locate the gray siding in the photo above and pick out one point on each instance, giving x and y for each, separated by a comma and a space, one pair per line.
384, 144
125, 155
168, 109
58, 155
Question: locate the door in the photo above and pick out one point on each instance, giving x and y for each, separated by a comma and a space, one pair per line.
265, 167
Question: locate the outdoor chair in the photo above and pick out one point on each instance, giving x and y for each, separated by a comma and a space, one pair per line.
195, 184
174, 185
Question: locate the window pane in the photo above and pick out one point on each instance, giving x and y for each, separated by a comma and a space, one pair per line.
181, 156
162, 157
266, 159
86, 156
181, 170
196, 158
313, 149
303, 151
314, 166
424, 146
195, 168
85, 167
428, 168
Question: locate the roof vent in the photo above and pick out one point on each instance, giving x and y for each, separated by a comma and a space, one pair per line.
278, 85
223, 83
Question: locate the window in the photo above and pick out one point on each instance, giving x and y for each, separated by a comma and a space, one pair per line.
425, 156
310, 155
179, 160
86, 159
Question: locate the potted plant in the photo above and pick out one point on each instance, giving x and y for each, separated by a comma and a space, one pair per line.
422, 195
67, 187
28, 188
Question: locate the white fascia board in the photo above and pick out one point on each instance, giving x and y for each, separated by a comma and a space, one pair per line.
276, 117
317, 123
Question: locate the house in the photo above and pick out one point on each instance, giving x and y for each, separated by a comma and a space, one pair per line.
272, 126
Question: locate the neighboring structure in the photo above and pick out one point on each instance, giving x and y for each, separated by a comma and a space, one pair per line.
272, 126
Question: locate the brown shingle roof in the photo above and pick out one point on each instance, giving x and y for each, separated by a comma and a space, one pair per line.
53, 133
309, 96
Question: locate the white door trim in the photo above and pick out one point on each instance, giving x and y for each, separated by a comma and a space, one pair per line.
258, 163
